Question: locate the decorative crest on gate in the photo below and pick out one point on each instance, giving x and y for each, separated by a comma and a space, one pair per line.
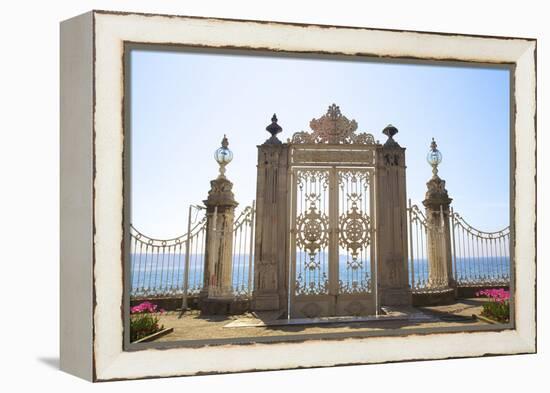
333, 128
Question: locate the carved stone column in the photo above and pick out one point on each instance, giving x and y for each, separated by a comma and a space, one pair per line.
439, 232
271, 243
391, 223
216, 296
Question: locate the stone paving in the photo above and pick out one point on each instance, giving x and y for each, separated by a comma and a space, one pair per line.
193, 326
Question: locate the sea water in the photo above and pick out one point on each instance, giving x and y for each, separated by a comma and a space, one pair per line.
160, 273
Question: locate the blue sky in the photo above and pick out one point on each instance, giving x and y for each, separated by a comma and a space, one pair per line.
182, 104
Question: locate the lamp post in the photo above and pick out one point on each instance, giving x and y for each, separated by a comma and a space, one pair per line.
223, 156
437, 204
217, 293
434, 157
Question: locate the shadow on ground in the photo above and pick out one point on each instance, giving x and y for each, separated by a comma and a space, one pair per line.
52, 362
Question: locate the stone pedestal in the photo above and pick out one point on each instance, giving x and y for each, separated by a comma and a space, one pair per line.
439, 235
271, 237
217, 293
391, 223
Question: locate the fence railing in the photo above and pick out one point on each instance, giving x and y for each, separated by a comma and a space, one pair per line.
243, 252
421, 275
478, 258
175, 267
158, 265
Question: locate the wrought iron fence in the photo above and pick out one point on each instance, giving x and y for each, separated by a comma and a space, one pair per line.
243, 252
175, 267
158, 265
421, 275
478, 258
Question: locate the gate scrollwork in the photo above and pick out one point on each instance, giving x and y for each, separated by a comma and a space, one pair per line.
333, 128
312, 230
312, 225
355, 229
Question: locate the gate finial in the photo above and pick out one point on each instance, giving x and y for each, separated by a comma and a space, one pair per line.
274, 129
390, 131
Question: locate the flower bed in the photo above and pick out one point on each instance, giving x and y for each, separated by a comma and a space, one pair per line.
498, 306
144, 320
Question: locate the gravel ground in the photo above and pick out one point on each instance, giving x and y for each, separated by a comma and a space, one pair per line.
193, 326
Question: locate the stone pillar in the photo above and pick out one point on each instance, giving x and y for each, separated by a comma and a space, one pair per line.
216, 296
271, 243
437, 204
391, 223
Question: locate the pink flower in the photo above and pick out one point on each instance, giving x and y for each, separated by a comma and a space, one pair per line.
145, 307
496, 295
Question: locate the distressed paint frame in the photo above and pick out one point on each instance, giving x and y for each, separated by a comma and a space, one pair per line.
110, 32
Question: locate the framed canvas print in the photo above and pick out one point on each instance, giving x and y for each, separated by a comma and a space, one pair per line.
248, 195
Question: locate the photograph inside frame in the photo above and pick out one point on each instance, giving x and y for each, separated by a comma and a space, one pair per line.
279, 196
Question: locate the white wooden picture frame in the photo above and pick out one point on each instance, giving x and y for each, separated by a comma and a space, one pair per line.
92, 203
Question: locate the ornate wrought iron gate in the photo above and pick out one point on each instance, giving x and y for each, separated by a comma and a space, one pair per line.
332, 219
332, 241
331, 233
